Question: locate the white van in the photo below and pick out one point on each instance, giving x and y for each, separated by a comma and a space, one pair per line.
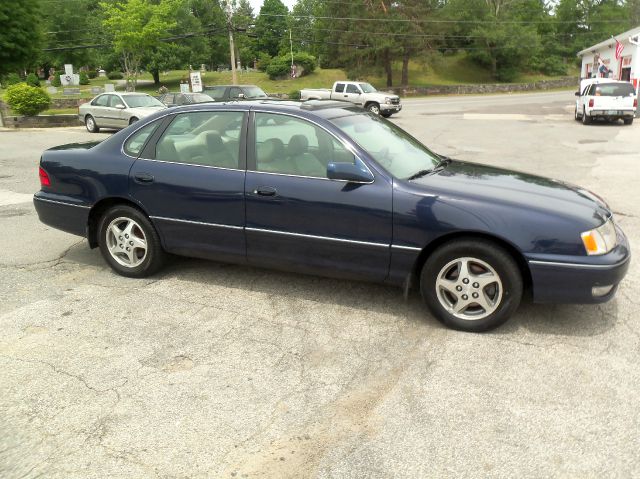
611, 100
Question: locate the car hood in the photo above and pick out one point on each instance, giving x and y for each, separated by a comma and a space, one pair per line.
382, 95
491, 184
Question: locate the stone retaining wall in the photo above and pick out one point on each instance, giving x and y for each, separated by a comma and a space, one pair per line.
41, 121
563, 82
61, 103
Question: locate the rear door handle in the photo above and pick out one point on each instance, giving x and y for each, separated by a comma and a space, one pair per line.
143, 178
265, 191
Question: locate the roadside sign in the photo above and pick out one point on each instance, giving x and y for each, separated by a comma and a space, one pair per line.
196, 82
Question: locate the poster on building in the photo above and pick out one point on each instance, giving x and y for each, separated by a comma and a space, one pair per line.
196, 82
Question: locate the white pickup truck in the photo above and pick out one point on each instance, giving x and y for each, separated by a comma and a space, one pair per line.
605, 98
362, 94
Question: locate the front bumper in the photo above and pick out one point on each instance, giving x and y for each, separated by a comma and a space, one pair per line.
390, 108
572, 280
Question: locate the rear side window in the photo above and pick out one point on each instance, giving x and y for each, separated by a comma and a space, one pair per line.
209, 138
135, 143
102, 100
339, 87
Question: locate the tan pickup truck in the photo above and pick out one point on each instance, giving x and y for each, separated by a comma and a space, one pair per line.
360, 93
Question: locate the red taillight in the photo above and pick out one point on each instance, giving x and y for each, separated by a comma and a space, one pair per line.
635, 103
591, 103
44, 178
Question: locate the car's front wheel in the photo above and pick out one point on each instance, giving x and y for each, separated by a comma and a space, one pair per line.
373, 108
471, 284
129, 243
90, 123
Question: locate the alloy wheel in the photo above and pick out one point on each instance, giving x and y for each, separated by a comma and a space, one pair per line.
126, 242
469, 288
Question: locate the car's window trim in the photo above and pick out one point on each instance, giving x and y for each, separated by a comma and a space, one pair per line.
251, 152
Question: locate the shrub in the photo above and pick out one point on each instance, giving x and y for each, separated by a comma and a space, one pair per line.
92, 74
55, 81
279, 67
294, 95
27, 100
11, 79
115, 76
84, 78
264, 59
306, 61
32, 79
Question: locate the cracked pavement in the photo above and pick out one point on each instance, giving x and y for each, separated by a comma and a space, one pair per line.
213, 370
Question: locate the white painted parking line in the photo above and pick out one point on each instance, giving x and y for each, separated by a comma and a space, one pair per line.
11, 198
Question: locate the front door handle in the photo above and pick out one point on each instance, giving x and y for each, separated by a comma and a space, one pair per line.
143, 178
265, 191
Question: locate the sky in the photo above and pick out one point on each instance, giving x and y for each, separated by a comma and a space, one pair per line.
256, 4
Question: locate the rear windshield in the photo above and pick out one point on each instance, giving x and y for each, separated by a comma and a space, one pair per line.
614, 89
216, 92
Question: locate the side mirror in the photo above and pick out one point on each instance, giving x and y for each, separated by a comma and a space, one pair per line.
120, 106
349, 172
577, 93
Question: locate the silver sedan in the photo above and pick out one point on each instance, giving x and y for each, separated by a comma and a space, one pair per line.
117, 110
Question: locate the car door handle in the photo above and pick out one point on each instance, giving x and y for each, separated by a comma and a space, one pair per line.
143, 178
265, 191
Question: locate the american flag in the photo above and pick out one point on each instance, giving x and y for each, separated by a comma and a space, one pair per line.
619, 48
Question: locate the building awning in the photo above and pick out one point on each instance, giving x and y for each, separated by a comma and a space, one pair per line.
621, 37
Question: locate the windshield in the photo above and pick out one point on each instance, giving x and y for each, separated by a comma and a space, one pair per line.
615, 89
393, 148
137, 101
253, 92
366, 88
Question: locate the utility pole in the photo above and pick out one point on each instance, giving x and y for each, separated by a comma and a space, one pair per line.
232, 49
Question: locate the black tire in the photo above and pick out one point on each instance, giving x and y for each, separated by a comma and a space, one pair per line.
628, 121
502, 296
575, 114
91, 125
146, 264
586, 119
373, 107
132, 120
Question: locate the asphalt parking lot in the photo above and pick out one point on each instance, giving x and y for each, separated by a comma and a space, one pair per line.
212, 370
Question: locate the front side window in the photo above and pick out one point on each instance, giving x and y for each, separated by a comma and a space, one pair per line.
393, 148
135, 143
114, 101
352, 89
210, 138
293, 146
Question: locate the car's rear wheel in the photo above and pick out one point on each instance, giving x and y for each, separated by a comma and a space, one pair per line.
129, 243
471, 284
373, 108
628, 121
90, 123
575, 114
586, 119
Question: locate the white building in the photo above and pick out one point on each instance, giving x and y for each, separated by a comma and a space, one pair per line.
626, 68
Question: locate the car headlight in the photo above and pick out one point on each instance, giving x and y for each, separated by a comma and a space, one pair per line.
600, 240
387, 100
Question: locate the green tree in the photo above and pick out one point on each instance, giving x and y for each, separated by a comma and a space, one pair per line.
272, 31
243, 22
136, 27
20, 35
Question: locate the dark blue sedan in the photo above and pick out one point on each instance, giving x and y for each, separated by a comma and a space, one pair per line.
328, 189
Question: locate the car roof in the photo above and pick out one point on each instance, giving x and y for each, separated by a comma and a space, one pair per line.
323, 108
